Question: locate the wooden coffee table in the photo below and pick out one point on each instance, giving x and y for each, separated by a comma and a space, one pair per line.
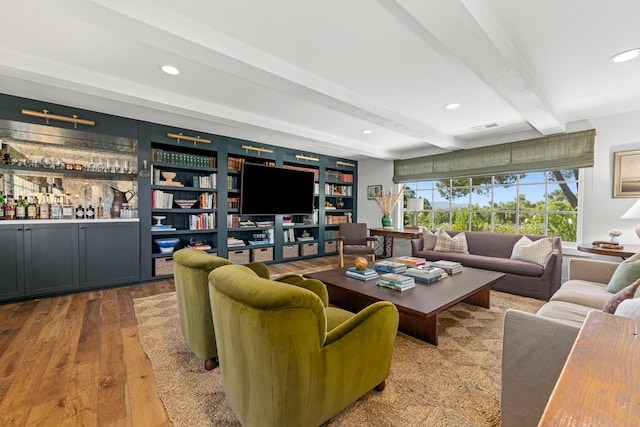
418, 307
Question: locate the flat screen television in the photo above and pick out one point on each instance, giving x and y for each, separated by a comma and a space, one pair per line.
270, 190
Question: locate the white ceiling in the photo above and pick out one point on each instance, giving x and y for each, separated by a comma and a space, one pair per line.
313, 74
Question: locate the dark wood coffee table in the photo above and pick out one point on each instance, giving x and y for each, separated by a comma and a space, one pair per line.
418, 307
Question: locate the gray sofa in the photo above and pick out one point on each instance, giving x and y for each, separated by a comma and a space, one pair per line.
536, 346
492, 251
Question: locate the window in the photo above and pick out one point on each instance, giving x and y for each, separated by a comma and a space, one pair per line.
528, 203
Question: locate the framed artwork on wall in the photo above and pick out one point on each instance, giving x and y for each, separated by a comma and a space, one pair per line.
374, 191
626, 174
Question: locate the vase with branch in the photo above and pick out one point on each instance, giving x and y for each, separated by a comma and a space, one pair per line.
387, 202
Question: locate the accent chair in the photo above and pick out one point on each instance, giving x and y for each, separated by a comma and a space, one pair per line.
353, 239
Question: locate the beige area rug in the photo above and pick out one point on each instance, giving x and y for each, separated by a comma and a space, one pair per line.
456, 383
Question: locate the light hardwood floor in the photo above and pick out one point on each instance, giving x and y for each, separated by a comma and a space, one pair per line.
77, 360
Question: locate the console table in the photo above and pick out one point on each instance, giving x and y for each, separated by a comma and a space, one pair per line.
600, 383
626, 252
389, 234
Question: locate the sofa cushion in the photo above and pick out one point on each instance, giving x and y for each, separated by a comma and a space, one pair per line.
618, 297
527, 250
629, 308
627, 272
566, 312
429, 240
583, 292
446, 243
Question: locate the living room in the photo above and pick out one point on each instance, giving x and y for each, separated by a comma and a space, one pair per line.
325, 80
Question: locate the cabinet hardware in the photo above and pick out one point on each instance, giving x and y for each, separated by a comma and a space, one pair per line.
48, 116
258, 149
307, 158
193, 139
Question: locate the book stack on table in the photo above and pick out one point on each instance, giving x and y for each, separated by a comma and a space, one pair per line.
426, 274
396, 282
451, 267
366, 274
390, 267
411, 261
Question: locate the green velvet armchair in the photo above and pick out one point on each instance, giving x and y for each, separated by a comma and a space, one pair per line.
191, 268
286, 357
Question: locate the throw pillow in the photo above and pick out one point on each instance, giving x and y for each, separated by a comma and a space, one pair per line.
629, 308
626, 293
429, 240
446, 243
527, 250
627, 272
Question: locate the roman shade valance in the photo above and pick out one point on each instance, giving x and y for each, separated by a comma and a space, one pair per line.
556, 152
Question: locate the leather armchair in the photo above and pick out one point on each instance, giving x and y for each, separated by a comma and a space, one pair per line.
286, 358
191, 268
353, 239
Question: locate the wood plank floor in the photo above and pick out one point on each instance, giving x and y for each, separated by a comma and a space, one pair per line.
77, 359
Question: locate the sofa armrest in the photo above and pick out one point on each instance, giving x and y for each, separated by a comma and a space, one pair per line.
416, 246
534, 351
591, 270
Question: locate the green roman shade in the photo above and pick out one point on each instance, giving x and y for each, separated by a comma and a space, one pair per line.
556, 152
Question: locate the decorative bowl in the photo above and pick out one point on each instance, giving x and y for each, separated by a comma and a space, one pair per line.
186, 204
168, 175
167, 245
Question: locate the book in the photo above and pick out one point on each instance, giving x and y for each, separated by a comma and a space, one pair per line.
366, 271
451, 267
395, 286
397, 278
427, 274
411, 260
359, 276
390, 267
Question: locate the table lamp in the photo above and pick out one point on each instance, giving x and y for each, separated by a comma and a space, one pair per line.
632, 213
415, 205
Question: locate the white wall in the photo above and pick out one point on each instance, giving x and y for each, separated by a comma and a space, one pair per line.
601, 212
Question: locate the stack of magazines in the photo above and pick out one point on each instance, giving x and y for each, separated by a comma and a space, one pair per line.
390, 267
366, 274
427, 274
396, 282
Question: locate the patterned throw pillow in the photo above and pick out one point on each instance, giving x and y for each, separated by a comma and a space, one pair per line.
429, 240
536, 252
627, 293
446, 243
627, 272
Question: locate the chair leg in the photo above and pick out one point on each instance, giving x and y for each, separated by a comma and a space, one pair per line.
210, 364
341, 254
381, 386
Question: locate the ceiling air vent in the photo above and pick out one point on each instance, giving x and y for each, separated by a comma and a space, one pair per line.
485, 126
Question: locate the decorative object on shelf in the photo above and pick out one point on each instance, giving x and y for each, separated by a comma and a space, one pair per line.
633, 213
48, 116
167, 245
144, 172
387, 202
159, 219
185, 204
339, 203
626, 180
361, 263
119, 198
168, 179
613, 235
374, 191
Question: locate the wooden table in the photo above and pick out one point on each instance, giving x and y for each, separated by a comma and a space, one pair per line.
600, 383
418, 307
390, 233
626, 252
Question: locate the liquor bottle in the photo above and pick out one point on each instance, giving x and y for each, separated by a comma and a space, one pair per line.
67, 210
31, 209
44, 207
21, 211
99, 209
2, 202
10, 208
56, 208
79, 212
90, 213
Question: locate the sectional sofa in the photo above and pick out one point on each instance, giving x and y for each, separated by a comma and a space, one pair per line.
492, 251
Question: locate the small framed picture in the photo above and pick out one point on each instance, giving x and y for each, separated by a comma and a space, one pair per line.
626, 174
374, 191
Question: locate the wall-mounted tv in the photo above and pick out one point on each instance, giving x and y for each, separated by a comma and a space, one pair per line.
270, 190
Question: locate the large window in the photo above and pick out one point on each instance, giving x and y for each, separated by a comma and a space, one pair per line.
528, 203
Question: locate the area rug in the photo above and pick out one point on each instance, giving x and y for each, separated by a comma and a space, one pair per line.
456, 383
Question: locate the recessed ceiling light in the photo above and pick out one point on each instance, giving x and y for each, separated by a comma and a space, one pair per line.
452, 106
367, 131
169, 69
627, 55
